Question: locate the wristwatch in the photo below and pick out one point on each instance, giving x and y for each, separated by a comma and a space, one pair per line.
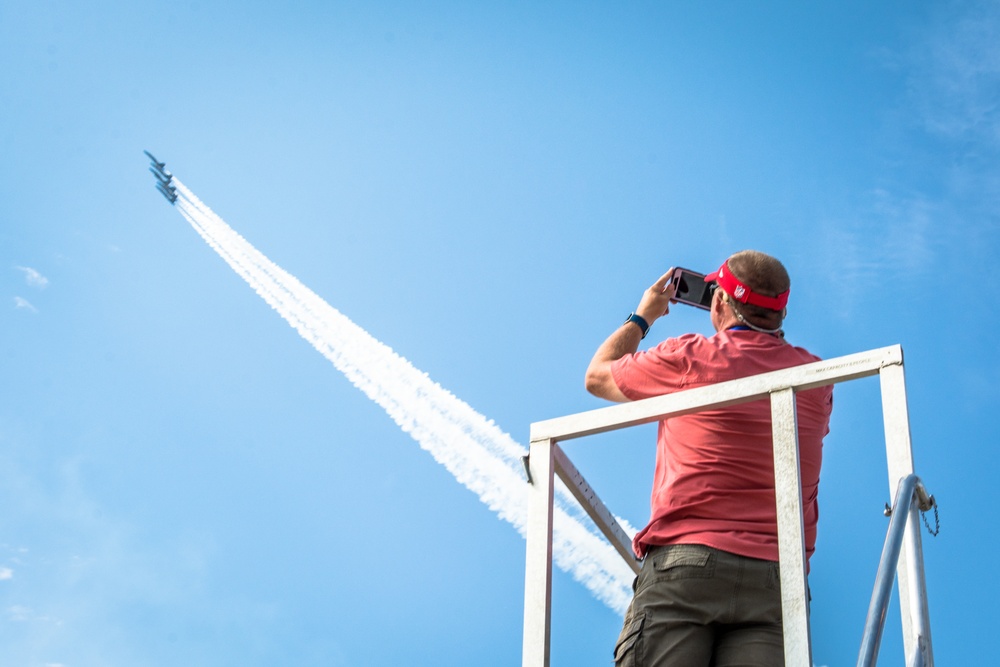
640, 322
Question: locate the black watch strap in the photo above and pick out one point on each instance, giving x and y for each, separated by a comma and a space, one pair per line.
640, 322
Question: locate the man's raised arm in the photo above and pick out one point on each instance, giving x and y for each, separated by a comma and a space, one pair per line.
654, 304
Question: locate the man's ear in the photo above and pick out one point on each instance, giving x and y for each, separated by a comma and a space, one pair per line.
719, 303
723, 301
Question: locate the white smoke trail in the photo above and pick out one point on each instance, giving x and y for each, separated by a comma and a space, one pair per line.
471, 447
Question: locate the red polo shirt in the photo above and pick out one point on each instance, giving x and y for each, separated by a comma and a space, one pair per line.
714, 477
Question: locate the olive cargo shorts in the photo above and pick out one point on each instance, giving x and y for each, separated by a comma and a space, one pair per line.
697, 606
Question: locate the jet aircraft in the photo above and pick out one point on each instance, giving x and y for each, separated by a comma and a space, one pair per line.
163, 178
159, 165
169, 192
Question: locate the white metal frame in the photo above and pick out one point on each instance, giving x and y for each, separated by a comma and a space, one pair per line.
546, 460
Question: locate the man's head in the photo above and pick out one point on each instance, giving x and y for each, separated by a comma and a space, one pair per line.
753, 290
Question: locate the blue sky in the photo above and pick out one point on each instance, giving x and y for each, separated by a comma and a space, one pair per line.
486, 190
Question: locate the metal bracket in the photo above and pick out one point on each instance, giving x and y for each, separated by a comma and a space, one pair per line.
925, 501
527, 468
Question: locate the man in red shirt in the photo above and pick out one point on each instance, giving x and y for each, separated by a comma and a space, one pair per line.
708, 593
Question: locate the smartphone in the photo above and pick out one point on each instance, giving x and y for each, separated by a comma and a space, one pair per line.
690, 288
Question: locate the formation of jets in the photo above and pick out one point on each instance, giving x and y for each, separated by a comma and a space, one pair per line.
163, 178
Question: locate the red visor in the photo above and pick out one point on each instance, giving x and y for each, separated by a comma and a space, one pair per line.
742, 293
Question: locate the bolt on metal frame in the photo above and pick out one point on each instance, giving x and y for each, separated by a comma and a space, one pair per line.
546, 460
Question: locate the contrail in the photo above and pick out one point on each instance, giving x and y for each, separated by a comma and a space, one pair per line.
480, 455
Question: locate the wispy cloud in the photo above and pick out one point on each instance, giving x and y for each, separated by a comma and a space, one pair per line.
100, 569
888, 238
956, 78
22, 614
23, 304
6, 573
953, 87
33, 277
943, 198
18, 613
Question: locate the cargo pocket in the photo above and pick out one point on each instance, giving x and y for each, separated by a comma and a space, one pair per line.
684, 561
627, 648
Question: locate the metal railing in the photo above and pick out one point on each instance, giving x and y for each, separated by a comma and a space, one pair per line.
546, 460
911, 499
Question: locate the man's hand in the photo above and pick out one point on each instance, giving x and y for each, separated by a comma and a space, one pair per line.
654, 304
